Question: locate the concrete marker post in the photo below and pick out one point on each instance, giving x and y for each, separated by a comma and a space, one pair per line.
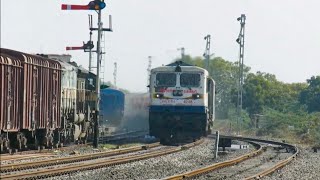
216, 146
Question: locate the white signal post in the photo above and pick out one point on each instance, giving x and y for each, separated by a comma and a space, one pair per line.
96, 124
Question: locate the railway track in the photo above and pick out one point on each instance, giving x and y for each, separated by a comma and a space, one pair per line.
254, 169
84, 165
71, 159
123, 136
130, 135
24, 156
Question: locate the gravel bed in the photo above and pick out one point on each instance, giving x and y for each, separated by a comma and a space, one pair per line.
159, 167
306, 166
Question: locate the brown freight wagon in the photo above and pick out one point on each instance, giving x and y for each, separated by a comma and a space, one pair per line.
32, 84
11, 82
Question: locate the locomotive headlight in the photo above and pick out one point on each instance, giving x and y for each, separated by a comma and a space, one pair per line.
158, 95
196, 96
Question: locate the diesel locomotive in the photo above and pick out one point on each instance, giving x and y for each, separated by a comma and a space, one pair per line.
182, 103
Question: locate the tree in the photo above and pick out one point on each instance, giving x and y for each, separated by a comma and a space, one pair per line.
311, 95
225, 74
255, 88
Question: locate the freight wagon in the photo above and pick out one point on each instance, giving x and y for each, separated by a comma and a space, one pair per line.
43, 101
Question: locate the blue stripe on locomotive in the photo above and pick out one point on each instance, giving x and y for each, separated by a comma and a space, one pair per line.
111, 106
178, 109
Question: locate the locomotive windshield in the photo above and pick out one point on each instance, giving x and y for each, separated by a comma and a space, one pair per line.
166, 79
189, 80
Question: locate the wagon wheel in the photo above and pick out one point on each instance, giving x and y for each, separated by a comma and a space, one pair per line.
22, 140
7, 144
36, 143
19, 138
1, 143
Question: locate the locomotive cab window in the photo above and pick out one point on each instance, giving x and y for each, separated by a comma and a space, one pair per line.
166, 79
189, 80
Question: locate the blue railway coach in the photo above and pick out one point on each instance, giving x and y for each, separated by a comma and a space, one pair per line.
111, 107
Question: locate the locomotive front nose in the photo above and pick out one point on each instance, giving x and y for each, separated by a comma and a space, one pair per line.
177, 93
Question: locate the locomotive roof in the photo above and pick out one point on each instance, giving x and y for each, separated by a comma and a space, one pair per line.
181, 63
172, 68
26, 57
67, 66
111, 91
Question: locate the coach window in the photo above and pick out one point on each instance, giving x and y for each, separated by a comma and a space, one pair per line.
166, 79
189, 80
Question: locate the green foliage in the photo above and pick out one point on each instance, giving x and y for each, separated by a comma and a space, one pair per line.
264, 90
311, 95
225, 75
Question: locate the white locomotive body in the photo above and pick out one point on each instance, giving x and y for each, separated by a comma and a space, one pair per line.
182, 102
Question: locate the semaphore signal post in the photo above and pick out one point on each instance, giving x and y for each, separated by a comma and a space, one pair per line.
96, 5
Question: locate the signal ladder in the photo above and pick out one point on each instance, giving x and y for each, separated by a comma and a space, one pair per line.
103, 62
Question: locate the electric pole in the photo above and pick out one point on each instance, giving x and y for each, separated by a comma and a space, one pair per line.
207, 52
115, 75
240, 41
149, 71
182, 53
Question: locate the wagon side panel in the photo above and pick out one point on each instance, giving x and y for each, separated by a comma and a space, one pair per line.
10, 93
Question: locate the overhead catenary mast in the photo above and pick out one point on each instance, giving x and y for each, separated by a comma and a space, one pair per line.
240, 41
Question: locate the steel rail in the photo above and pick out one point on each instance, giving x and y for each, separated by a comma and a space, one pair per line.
276, 166
24, 156
94, 165
122, 136
217, 165
239, 159
70, 159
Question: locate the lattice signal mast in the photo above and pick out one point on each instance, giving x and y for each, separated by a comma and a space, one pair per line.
240, 41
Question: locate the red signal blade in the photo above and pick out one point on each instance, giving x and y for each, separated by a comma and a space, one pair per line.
74, 48
74, 7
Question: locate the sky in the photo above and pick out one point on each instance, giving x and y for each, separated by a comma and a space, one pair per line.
281, 37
